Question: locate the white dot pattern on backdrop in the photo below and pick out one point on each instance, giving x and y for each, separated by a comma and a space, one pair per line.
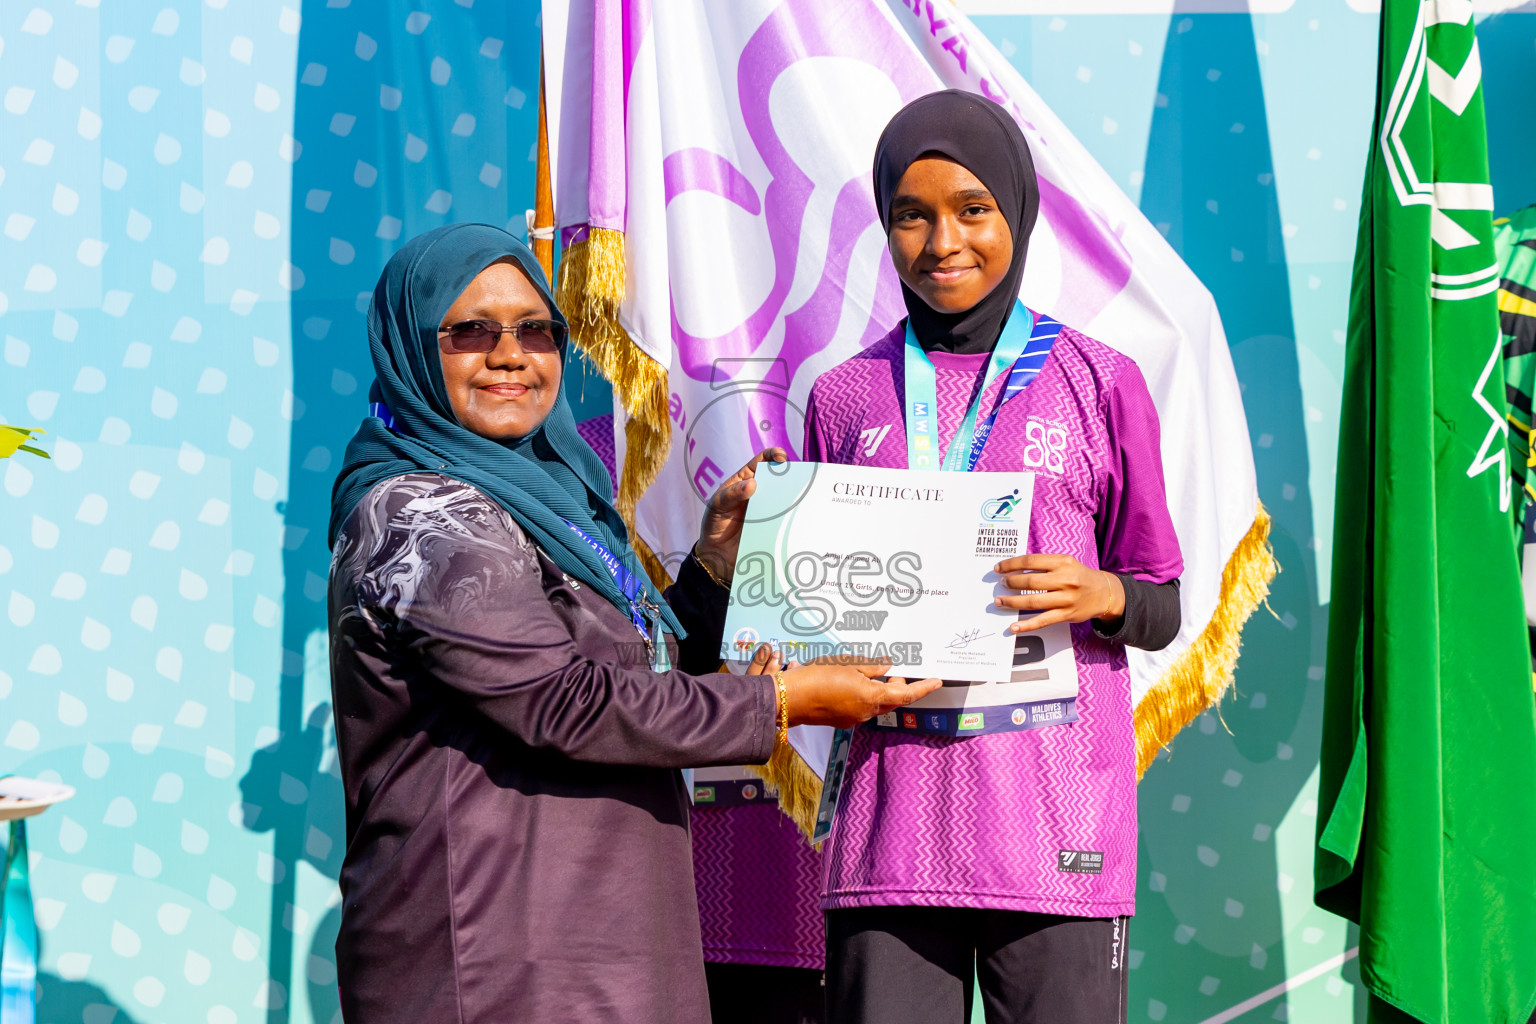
190, 200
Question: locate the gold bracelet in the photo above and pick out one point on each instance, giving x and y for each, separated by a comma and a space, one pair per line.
782, 717
710, 572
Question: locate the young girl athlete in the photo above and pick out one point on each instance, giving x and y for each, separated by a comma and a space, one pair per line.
1009, 854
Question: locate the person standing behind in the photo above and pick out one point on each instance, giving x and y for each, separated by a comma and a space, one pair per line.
953, 859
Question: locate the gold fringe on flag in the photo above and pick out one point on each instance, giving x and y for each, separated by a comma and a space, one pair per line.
1195, 683
799, 787
1204, 671
589, 291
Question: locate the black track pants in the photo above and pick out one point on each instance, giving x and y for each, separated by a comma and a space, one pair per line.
915, 965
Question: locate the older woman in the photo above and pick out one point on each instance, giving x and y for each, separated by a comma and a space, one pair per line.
509, 727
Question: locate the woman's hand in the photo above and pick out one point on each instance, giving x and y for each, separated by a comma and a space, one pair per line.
843, 695
720, 533
830, 692
1068, 591
765, 662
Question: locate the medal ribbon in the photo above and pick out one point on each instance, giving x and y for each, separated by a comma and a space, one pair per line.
1021, 349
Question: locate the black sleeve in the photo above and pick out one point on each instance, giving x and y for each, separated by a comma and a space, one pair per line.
1152, 615
700, 605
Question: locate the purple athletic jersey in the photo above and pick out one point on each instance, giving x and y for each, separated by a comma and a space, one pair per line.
757, 880
1042, 820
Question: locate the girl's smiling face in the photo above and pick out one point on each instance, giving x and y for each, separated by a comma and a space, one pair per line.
948, 239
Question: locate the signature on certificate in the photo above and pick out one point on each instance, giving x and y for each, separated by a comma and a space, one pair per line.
961, 639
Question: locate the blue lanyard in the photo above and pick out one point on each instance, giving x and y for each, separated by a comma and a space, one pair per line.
18, 933
1023, 349
643, 612
381, 410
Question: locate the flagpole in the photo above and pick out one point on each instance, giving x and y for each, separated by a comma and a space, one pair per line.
542, 232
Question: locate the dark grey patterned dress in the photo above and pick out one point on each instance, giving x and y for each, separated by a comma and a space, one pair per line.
517, 829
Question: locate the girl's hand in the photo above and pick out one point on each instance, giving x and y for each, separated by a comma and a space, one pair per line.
720, 533
1069, 591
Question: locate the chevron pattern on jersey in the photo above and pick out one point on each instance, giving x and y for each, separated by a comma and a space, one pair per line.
981, 822
598, 432
757, 881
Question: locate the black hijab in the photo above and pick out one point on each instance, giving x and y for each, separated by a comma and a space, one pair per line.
980, 136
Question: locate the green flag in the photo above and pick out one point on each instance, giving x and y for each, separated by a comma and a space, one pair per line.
1427, 824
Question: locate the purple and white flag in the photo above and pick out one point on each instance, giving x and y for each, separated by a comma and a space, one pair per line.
730, 141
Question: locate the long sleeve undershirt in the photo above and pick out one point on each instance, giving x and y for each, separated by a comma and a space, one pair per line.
1151, 618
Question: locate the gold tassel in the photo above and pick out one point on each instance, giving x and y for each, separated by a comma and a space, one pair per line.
799, 787
589, 292
1203, 672
653, 565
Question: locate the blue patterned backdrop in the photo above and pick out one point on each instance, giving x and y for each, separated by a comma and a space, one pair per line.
197, 199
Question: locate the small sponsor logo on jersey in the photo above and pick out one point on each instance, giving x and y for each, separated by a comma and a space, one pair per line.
1019, 716
703, 794
936, 722
972, 720
908, 720
749, 792
1080, 862
888, 720
870, 439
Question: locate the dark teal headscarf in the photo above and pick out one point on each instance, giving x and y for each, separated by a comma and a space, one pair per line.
549, 477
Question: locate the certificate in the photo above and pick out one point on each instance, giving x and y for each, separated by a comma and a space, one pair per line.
897, 565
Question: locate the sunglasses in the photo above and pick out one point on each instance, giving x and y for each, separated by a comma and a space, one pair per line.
535, 336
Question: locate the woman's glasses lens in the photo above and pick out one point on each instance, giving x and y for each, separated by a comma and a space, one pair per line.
539, 336
474, 336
